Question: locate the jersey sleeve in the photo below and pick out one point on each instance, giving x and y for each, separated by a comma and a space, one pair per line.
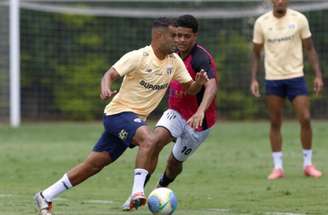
258, 36
202, 61
181, 73
305, 28
127, 63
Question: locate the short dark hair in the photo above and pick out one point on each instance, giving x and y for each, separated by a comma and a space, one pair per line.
188, 21
163, 22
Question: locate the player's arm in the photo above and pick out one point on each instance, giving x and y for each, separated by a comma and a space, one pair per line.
314, 61
255, 61
211, 88
106, 83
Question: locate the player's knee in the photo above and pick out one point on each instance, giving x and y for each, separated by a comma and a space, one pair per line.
276, 124
305, 120
148, 142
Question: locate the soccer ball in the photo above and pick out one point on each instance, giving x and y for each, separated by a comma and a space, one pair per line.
162, 201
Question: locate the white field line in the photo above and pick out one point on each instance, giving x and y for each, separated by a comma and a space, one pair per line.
283, 213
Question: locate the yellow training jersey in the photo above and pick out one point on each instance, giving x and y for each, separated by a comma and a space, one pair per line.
145, 81
282, 39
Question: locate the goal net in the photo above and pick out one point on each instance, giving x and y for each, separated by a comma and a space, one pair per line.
66, 46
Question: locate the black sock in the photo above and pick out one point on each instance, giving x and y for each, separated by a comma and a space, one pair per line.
147, 179
164, 181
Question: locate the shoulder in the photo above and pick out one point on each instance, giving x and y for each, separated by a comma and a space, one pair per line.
200, 57
139, 54
201, 52
264, 17
297, 15
175, 58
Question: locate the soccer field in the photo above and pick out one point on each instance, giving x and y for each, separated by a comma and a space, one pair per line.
227, 175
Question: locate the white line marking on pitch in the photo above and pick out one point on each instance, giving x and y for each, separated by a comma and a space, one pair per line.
98, 201
283, 213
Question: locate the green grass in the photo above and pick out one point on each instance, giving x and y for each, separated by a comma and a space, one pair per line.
227, 176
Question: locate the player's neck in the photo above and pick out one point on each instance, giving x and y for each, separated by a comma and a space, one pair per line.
279, 13
160, 55
187, 52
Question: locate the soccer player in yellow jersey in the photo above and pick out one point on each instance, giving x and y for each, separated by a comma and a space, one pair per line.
283, 33
147, 73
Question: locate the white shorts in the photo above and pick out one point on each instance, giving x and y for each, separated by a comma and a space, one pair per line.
187, 139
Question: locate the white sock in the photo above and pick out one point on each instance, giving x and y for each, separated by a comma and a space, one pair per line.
139, 180
277, 160
307, 155
57, 188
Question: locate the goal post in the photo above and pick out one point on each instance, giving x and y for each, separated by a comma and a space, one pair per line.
15, 116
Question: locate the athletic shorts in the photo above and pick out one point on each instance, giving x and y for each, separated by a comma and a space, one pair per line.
119, 132
187, 139
289, 88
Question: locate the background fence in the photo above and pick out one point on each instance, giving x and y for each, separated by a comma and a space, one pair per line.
66, 46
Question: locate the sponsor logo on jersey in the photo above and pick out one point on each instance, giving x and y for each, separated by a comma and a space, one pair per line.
282, 39
153, 86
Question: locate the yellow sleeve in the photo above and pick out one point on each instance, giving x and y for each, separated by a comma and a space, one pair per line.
127, 63
258, 33
181, 73
305, 28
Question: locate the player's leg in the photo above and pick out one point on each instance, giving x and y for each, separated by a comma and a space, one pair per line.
147, 154
107, 150
301, 104
144, 139
162, 137
92, 165
276, 92
150, 144
275, 106
184, 147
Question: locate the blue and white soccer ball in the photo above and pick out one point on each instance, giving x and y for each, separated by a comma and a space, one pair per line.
162, 201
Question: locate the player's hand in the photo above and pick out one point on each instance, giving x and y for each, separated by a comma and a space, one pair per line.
106, 93
196, 120
201, 77
255, 88
318, 85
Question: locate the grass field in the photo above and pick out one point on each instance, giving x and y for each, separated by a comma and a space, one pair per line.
227, 176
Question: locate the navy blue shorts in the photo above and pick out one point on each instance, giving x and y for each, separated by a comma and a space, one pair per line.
289, 88
119, 131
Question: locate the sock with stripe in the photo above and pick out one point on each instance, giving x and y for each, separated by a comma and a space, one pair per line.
57, 188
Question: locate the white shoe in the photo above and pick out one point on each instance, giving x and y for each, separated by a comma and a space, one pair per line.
126, 205
43, 207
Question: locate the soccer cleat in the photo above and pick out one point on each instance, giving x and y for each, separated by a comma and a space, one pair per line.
43, 207
126, 205
276, 174
310, 170
137, 200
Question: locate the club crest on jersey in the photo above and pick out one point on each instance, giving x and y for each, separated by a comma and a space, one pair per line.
291, 26
123, 134
169, 69
138, 120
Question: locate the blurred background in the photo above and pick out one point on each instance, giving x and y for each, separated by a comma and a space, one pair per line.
66, 46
